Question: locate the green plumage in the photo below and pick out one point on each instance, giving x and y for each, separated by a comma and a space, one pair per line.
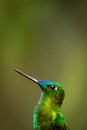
47, 114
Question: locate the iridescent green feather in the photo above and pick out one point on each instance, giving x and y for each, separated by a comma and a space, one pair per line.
47, 114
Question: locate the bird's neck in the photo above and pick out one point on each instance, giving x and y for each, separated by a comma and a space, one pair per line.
45, 111
48, 102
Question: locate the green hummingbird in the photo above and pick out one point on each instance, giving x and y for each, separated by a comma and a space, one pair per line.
47, 114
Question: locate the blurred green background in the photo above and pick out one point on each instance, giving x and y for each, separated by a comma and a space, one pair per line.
47, 40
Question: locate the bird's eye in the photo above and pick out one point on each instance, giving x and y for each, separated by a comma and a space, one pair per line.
53, 87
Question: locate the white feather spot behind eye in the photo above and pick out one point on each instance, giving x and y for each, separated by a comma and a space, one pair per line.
56, 88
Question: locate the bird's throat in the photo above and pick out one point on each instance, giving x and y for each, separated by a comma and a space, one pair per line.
46, 106
44, 111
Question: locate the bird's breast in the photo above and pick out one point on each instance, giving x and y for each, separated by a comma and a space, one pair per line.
42, 116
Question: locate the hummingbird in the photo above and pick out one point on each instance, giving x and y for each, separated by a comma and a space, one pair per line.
47, 114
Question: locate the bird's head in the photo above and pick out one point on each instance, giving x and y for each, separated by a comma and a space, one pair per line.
51, 89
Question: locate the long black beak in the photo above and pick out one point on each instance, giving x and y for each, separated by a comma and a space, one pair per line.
27, 76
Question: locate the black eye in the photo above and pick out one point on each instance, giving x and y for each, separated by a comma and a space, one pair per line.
53, 87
